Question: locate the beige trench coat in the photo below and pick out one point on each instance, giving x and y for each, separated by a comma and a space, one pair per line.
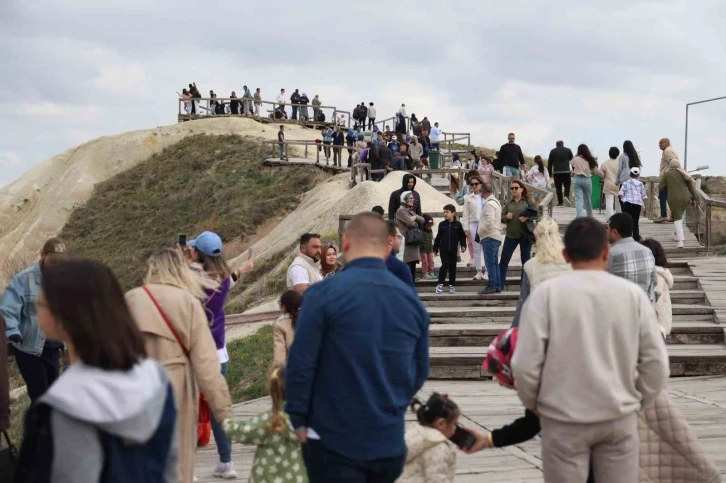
407, 218
187, 316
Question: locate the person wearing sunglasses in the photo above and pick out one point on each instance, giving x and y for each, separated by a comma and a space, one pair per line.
513, 215
473, 204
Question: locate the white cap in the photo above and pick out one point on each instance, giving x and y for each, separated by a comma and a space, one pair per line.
635, 171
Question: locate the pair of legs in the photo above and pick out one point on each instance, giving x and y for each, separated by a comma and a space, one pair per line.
257, 110
474, 248
39, 372
448, 265
583, 195
512, 172
371, 122
427, 263
336, 155
326, 148
663, 201
224, 445
611, 448
510, 244
412, 267
490, 247
282, 152
294, 112
326, 466
562, 180
612, 205
634, 211
435, 146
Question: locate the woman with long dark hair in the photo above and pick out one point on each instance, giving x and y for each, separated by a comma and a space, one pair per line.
583, 165
283, 331
111, 415
627, 160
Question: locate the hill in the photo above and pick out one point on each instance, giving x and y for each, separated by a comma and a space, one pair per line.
39, 203
202, 182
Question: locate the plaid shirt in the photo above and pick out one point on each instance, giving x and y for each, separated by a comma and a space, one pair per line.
632, 261
633, 191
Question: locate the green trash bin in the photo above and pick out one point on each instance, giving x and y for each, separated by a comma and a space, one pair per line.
596, 191
434, 159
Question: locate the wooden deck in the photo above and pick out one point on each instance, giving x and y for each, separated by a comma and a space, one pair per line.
487, 405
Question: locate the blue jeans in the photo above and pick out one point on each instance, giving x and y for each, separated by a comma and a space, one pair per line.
435, 146
282, 152
513, 172
325, 466
663, 199
490, 247
583, 194
525, 251
224, 445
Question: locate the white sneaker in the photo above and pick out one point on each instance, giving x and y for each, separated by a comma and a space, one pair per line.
225, 471
679, 244
452, 289
479, 275
567, 202
675, 236
439, 288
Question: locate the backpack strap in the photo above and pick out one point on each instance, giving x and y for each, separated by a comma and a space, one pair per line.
166, 319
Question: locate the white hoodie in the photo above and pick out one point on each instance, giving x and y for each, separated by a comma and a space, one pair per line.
128, 404
663, 308
431, 458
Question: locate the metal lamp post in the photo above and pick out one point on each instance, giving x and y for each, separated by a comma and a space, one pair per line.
685, 144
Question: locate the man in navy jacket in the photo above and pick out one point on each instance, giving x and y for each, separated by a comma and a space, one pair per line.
360, 354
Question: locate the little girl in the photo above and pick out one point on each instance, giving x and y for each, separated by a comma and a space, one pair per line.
485, 170
427, 249
431, 456
278, 448
283, 330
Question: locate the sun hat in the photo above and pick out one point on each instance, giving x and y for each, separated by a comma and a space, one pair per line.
635, 171
208, 243
498, 362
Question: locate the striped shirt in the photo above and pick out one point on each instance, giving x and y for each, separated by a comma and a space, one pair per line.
633, 191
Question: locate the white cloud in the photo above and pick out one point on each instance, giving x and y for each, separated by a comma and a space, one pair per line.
10, 160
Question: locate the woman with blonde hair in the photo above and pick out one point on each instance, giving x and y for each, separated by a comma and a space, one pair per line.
547, 263
169, 313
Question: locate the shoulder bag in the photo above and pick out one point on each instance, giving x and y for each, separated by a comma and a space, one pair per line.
414, 236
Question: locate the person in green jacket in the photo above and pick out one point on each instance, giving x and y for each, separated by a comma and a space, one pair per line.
427, 249
517, 233
681, 192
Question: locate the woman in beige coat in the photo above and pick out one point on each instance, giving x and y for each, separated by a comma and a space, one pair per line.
610, 186
193, 367
406, 219
283, 332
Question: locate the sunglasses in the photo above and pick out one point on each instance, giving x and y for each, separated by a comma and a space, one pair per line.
475, 184
514, 188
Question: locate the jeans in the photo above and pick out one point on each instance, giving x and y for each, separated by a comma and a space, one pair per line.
39, 372
326, 148
371, 122
490, 247
294, 112
224, 445
282, 152
513, 172
326, 466
634, 211
525, 251
448, 264
663, 199
562, 180
612, 205
435, 146
583, 195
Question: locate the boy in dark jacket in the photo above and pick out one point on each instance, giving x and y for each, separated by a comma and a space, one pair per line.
449, 237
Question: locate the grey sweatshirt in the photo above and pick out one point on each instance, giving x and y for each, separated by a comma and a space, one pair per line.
589, 349
126, 404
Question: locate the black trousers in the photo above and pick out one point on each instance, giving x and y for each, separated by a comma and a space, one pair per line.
562, 180
448, 264
412, 266
634, 211
39, 372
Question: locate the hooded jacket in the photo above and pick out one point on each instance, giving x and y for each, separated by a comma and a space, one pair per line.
91, 423
431, 458
395, 200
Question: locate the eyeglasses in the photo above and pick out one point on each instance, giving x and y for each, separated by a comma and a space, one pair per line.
475, 184
514, 188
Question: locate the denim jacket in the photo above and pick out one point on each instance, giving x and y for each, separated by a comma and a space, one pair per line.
17, 308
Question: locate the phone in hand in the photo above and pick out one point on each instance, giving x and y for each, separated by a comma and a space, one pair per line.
249, 254
463, 438
182, 240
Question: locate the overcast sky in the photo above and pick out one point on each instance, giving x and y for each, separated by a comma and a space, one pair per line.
597, 74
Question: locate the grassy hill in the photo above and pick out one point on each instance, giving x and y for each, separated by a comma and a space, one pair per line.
203, 182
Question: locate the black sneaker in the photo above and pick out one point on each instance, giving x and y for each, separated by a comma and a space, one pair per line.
488, 291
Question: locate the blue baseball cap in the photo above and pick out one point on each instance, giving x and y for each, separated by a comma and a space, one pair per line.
208, 243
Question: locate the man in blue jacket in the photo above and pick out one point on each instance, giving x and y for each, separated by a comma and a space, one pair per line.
394, 265
38, 359
360, 354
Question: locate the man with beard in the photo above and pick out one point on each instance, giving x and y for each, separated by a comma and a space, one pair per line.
305, 269
408, 184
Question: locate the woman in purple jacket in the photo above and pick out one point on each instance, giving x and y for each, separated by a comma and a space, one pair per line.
205, 254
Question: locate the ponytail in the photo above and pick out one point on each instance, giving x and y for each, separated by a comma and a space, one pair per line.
276, 389
436, 407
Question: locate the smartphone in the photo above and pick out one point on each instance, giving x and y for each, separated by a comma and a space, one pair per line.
249, 254
463, 438
182, 240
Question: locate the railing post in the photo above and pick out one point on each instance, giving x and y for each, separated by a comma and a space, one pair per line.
651, 191
709, 223
306, 151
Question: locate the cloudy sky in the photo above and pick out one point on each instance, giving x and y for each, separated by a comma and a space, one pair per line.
79, 69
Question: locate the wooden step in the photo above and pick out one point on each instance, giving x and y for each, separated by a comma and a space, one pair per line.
685, 360
677, 267
482, 334
452, 315
466, 284
510, 299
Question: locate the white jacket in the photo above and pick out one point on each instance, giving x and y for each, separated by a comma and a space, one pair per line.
470, 209
490, 222
371, 112
663, 307
431, 457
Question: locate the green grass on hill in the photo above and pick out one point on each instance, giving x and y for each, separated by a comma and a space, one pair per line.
250, 361
203, 182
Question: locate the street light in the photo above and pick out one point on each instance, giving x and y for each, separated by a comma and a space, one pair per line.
685, 144
700, 168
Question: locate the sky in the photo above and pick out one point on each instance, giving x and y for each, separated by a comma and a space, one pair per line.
595, 73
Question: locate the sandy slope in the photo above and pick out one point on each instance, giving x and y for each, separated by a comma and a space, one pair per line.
36, 206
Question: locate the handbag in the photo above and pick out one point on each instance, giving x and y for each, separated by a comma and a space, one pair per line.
8, 459
414, 236
204, 421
